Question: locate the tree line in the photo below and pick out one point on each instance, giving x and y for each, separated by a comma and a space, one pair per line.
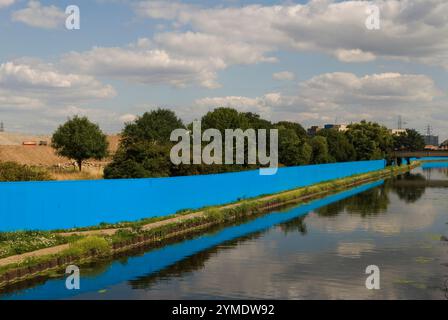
145, 145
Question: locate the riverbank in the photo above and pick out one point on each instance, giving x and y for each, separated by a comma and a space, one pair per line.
95, 244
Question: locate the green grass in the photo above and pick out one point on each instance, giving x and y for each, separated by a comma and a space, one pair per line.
13, 243
88, 245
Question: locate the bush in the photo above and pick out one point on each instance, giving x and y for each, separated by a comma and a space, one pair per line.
87, 245
11, 171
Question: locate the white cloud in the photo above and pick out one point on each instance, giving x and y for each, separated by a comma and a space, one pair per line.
170, 58
16, 102
45, 79
127, 118
6, 3
354, 55
284, 75
346, 95
148, 66
410, 29
41, 96
260, 105
227, 51
386, 89
221, 37
36, 15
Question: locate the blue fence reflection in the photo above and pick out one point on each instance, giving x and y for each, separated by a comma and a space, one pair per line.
433, 165
67, 204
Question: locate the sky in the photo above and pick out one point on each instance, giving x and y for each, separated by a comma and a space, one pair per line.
313, 62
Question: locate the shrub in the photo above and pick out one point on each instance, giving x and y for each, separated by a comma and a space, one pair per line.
11, 171
86, 245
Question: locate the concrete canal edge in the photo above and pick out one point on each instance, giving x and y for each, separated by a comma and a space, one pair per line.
29, 265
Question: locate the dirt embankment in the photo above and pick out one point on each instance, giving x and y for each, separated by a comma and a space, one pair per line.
11, 149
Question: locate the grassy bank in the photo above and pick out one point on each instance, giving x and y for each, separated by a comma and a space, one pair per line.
84, 245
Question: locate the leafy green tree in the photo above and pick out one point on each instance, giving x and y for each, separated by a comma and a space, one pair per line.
155, 126
141, 159
371, 141
80, 139
411, 140
339, 147
319, 153
292, 150
225, 118
144, 150
298, 129
255, 122
228, 118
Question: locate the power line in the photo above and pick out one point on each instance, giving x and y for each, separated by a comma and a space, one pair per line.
428, 130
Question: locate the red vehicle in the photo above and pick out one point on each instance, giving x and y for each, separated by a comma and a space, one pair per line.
29, 143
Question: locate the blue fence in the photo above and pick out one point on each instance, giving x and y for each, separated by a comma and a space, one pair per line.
67, 204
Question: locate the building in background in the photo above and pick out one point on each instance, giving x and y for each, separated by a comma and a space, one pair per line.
397, 132
314, 130
339, 127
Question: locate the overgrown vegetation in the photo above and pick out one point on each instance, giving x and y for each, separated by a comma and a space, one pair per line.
11, 171
12, 243
88, 245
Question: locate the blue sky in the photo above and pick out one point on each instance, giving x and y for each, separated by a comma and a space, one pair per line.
311, 62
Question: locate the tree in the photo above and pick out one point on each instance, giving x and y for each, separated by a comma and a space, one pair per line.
144, 150
225, 118
371, 141
155, 126
141, 159
411, 140
292, 150
339, 147
80, 139
319, 153
298, 129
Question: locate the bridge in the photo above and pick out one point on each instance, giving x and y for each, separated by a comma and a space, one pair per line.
398, 156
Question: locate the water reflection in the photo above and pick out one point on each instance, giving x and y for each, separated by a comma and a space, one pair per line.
409, 187
296, 225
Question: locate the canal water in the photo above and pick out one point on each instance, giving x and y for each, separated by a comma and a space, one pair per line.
319, 250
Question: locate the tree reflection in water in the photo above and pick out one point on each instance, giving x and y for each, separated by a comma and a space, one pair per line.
376, 201
294, 225
409, 193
